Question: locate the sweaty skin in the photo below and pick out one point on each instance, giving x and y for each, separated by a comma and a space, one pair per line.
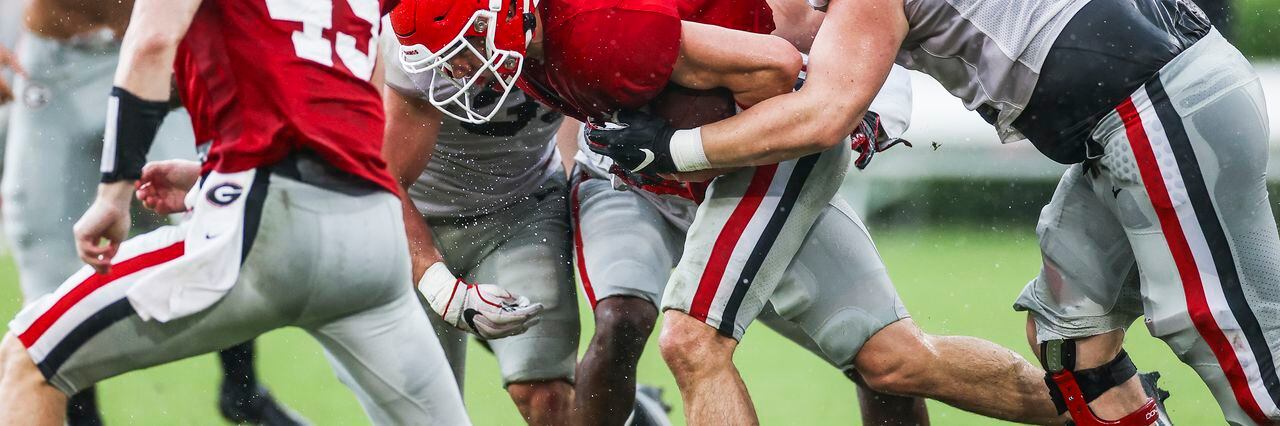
848, 63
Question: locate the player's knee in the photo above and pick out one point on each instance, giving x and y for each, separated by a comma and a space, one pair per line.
624, 323
542, 402
690, 346
1032, 339
16, 366
897, 361
783, 65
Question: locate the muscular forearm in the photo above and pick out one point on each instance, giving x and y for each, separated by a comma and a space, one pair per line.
422, 247
849, 61
778, 129
411, 131
711, 57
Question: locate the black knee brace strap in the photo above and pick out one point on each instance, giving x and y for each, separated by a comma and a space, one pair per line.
1093, 382
1072, 389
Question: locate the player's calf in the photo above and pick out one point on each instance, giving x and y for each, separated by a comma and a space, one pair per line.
1094, 381
28, 399
608, 368
965, 372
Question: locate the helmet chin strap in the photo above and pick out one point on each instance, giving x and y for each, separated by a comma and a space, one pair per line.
530, 20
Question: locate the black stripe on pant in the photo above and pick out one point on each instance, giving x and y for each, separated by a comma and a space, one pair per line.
84, 331
799, 174
1215, 236
253, 209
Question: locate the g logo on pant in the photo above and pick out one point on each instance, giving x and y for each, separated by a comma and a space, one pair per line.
224, 194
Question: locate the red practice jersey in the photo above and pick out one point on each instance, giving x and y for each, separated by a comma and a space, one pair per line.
264, 78
600, 56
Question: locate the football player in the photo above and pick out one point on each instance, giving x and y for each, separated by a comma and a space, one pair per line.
294, 219
486, 204
1163, 212
55, 137
629, 234
585, 58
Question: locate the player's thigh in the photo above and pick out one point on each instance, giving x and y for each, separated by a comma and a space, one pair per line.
533, 261
624, 245
390, 358
1087, 283
88, 331
837, 290
746, 232
1195, 143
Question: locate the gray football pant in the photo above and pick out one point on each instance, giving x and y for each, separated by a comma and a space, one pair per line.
832, 297
523, 248
333, 264
51, 158
1173, 222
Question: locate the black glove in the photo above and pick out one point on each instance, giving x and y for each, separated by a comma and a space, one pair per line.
640, 143
868, 140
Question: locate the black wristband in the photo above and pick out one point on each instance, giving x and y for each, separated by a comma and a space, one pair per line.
132, 123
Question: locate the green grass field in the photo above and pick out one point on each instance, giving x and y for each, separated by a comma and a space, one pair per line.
954, 281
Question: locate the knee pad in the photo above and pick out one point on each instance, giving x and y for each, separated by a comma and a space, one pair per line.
1072, 390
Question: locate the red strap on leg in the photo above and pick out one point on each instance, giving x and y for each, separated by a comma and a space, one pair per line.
1084, 416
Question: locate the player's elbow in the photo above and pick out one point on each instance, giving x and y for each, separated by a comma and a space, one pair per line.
146, 45
782, 65
775, 66
817, 133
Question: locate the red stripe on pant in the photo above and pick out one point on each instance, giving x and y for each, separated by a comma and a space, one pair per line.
577, 244
722, 250
93, 283
1184, 259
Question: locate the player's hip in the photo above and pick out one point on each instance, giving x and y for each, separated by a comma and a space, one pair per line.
536, 220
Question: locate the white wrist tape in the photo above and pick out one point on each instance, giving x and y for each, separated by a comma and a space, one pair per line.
437, 283
687, 152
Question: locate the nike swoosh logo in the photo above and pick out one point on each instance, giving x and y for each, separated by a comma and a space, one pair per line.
648, 158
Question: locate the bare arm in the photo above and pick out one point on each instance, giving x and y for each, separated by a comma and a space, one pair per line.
796, 22
150, 45
714, 57
145, 70
849, 61
567, 142
412, 129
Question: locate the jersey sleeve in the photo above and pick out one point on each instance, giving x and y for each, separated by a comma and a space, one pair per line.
893, 103
396, 77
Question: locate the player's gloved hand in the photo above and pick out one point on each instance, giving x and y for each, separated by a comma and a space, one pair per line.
486, 310
641, 143
868, 140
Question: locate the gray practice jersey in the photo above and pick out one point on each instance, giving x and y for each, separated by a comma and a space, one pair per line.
986, 52
479, 168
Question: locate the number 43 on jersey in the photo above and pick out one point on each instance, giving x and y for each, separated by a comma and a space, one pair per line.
317, 16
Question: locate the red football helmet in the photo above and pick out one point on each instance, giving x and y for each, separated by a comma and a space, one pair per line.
473, 44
